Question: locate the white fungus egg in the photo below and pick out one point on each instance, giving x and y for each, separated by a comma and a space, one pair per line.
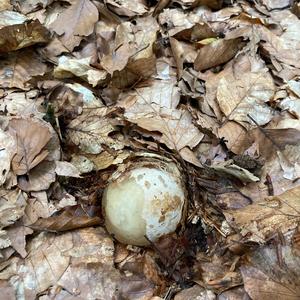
143, 202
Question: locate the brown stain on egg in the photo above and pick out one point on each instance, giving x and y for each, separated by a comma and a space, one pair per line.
147, 184
165, 204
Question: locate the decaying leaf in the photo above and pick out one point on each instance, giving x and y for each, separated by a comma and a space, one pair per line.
16, 31
154, 109
229, 168
69, 218
81, 16
61, 260
245, 91
7, 151
67, 67
260, 220
216, 53
17, 68
128, 8
12, 205
64, 168
30, 5
31, 136
90, 131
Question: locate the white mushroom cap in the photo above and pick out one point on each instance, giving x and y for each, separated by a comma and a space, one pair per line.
143, 202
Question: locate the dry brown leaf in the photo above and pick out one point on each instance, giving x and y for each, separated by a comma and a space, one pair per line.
17, 236
90, 131
216, 53
233, 135
64, 168
12, 206
259, 221
242, 94
7, 151
81, 17
195, 292
30, 5
199, 31
17, 68
17, 32
154, 109
129, 8
275, 4
69, 218
283, 46
61, 260
183, 53
39, 178
218, 273
21, 103
229, 168
31, 136
69, 67
130, 56
177, 20
38, 206
259, 286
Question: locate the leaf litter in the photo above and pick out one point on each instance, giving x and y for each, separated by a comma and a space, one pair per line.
87, 86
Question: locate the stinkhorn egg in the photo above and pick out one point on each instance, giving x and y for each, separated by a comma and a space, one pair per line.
143, 204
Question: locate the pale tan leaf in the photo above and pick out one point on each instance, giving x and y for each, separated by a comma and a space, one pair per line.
32, 135
38, 206
30, 5
154, 109
130, 56
17, 236
195, 292
21, 103
257, 222
64, 168
242, 94
48, 264
129, 8
229, 168
259, 286
4, 239
67, 67
276, 4
7, 151
90, 131
38, 178
81, 17
12, 206
17, 68
17, 32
